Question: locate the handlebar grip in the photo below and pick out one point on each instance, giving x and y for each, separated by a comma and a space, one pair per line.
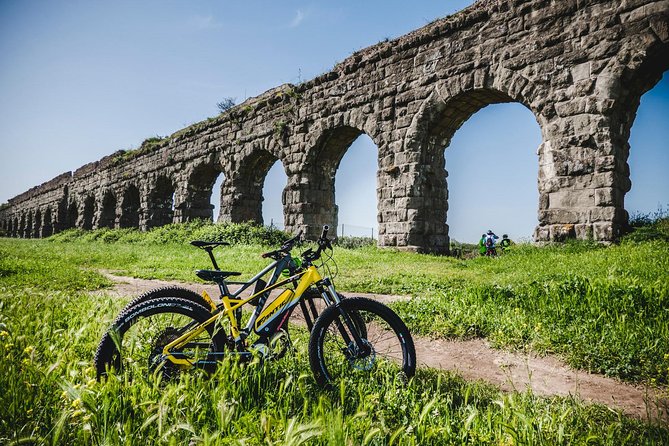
324, 234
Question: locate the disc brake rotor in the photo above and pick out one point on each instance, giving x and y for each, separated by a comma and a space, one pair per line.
360, 361
157, 360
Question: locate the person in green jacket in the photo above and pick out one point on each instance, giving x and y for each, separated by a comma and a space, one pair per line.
505, 243
482, 247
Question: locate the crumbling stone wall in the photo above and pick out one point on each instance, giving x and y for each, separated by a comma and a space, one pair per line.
580, 66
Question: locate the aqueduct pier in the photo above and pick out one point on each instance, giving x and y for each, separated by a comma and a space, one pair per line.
580, 66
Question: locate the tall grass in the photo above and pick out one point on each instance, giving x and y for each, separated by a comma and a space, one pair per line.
49, 396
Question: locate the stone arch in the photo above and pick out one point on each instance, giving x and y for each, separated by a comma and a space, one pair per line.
242, 190
196, 201
88, 213
107, 217
478, 116
161, 202
318, 175
47, 225
130, 208
639, 75
440, 119
309, 196
415, 174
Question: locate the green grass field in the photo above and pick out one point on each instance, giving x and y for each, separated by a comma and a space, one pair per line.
601, 309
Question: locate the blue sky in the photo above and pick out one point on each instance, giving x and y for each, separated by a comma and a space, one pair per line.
80, 79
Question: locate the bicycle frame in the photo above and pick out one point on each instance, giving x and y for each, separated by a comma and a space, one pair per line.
279, 308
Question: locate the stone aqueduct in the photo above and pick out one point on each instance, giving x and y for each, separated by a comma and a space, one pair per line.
580, 66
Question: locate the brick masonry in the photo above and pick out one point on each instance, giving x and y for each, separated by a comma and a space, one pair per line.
580, 66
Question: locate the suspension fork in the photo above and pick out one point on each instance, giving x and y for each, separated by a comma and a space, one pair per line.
334, 299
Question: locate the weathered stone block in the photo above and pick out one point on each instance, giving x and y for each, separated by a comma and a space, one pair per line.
571, 199
607, 196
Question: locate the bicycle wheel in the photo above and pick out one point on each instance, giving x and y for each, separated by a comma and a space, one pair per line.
385, 343
134, 344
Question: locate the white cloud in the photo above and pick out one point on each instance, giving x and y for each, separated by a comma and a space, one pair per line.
299, 17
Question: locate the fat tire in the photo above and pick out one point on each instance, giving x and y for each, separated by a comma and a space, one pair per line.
355, 305
169, 291
107, 354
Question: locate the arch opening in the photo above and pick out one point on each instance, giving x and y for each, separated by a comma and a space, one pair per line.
89, 213
198, 203
29, 225
272, 195
648, 157
37, 227
47, 226
130, 207
217, 197
323, 166
62, 212
22, 226
487, 145
355, 189
161, 206
72, 215
108, 211
243, 194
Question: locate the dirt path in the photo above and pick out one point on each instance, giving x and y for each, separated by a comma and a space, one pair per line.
476, 360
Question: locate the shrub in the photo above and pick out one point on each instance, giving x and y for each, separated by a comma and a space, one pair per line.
226, 104
68, 235
649, 226
181, 233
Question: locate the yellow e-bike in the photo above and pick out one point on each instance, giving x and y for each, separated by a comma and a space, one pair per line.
172, 330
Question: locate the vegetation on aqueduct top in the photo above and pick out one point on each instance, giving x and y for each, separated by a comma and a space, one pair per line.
604, 309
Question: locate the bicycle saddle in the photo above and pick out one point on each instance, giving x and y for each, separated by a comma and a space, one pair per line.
215, 275
203, 244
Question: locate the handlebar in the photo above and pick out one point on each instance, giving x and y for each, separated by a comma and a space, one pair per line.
309, 255
285, 248
323, 243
